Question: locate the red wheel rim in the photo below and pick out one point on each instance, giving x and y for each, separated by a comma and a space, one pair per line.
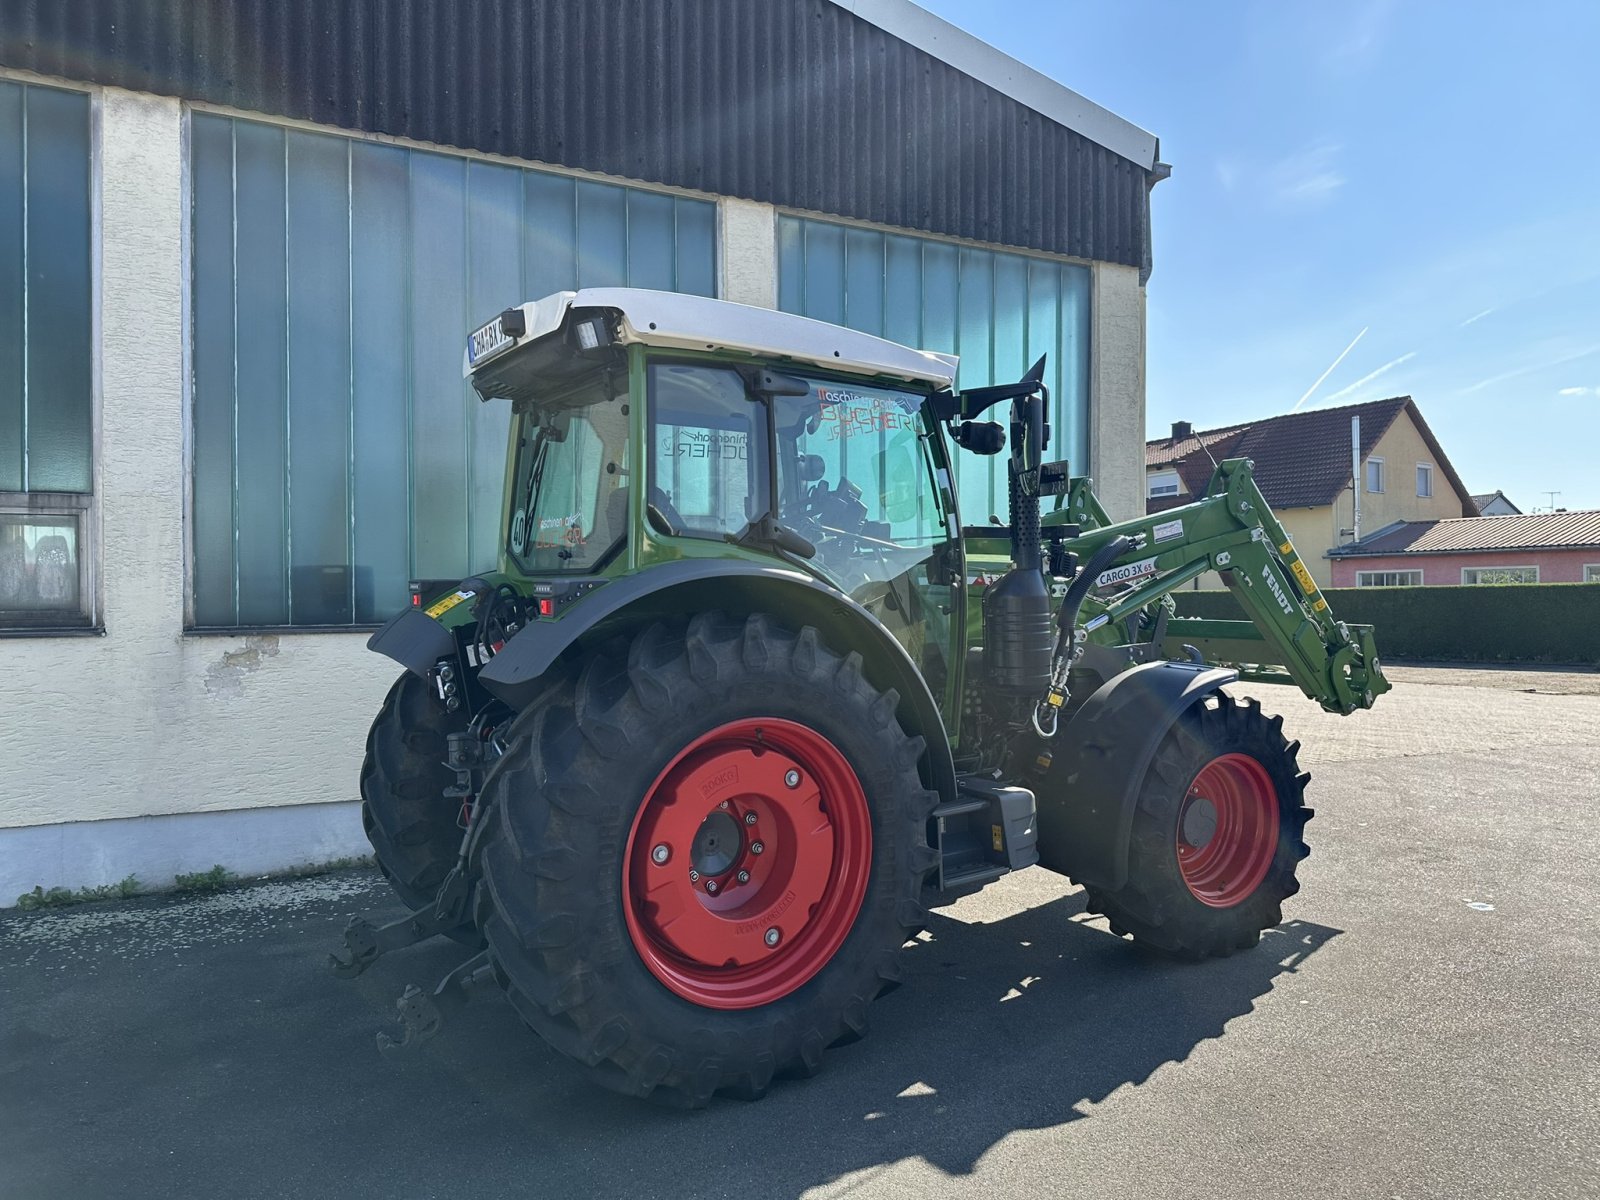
1227, 830
747, 863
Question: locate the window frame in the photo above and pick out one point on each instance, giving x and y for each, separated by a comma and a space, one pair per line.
83, 508
1465, 571
1424, 470
1591, 572
1364, 578
1150, 492
1383, 476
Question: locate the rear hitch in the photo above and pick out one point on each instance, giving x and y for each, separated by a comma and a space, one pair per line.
366, 943
421, 1016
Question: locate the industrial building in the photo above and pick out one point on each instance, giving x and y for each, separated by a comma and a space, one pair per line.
241, 245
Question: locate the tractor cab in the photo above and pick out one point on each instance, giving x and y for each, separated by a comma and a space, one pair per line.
638, 437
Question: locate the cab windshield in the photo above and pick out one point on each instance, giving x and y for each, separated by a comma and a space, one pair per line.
569, 500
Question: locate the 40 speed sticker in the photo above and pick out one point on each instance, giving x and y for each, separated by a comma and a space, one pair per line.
1126, 573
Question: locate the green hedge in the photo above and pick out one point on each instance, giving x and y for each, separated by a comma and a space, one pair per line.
1531, 622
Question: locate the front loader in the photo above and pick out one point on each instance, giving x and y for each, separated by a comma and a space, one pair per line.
742, 698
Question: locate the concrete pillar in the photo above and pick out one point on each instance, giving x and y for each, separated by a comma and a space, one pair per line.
1116, 390
747, 254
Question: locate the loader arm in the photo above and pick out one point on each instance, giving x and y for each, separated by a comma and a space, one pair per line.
1291, 635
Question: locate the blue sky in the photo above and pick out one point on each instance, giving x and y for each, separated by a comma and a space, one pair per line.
1428, 172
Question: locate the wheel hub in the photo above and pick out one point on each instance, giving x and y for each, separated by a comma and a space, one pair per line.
1228, 830
717, 845
768, 848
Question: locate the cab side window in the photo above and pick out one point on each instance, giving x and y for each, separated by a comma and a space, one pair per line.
708, 442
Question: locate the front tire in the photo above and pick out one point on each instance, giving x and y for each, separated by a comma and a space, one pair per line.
413, 827
1218, 835
684, 754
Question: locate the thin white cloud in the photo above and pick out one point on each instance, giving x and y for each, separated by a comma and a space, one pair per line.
1530, 368
1370, 376
1309, 176
1362, 39
1579, 391
1476, 317
1329, 371
1227, 174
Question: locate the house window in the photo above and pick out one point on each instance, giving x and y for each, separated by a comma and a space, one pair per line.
337, 452
1163, 483
46, 361
1374, 474
1591, 572
1424, 480
1388, 578
1495, 575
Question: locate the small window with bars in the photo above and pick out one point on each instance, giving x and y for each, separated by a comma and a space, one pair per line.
1388, 578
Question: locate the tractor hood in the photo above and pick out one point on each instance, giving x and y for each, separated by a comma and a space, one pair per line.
675, 321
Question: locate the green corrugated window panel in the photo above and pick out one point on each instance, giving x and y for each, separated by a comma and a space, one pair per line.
46, 303
338, 451
999, 311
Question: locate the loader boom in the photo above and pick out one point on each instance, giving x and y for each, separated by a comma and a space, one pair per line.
1291, 634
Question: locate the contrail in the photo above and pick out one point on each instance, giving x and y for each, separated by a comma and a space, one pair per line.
1475, 317
1370, 376
1331, 366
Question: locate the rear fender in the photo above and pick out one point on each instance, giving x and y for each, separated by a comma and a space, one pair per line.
738, 588
1087, 797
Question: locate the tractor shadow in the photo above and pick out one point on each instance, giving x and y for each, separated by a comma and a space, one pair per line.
204, 1040
1012, 1025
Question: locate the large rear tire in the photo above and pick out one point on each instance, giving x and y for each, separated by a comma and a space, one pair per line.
413, 827
758, 759
1217, 837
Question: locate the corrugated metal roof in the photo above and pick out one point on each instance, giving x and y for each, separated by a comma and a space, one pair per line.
1523, 531
1302, 460
798, 103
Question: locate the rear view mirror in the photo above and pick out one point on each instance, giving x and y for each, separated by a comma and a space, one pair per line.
775, 383
980, 437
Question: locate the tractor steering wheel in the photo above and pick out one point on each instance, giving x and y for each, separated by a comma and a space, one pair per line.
660, 509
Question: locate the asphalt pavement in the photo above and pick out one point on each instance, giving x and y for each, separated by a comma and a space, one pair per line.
1425, 1024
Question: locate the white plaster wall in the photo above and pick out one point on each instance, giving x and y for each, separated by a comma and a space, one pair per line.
1116, 390
748, 253
147, 720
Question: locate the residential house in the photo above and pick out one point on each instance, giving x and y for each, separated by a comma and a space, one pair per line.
1558, 547
1495, 504
1303, 468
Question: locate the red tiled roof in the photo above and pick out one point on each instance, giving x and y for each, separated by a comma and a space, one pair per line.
1302, 460
1458, 535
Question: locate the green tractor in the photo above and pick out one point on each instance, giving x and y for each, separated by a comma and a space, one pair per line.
743, 699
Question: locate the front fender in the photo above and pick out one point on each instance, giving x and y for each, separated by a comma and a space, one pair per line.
1087, 798
737, 587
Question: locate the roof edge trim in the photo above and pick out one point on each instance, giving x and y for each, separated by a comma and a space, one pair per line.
973, 56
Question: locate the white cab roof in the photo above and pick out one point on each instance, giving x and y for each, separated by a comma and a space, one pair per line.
675, 321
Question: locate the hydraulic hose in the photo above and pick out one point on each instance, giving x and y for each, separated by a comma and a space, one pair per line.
1067, 618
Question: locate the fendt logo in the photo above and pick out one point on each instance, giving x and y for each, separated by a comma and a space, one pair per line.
1277, 589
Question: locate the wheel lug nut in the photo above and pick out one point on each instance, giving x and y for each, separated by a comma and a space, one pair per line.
660, 854
694, 876
792, 779
772, 936
749, 818
744, 876
711, 886
756, 847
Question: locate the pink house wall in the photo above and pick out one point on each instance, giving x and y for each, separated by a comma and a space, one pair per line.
1555, 566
